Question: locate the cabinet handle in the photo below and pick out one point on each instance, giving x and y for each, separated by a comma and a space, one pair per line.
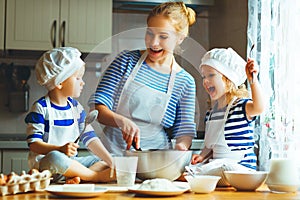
63, 33
53, 34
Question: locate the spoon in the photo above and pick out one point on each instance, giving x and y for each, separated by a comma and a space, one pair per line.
250, 55
190, 171
88, 120
134, 146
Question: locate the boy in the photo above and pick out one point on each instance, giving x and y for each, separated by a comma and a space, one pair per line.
57, 119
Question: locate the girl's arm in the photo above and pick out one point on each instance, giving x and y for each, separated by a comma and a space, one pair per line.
256, 106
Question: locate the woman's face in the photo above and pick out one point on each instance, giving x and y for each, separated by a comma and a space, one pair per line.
160, 39
213, 82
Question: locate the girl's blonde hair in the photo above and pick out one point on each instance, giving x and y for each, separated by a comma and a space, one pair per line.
232, 91
180, 16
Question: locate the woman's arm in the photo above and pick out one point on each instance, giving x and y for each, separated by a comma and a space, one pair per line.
129, 129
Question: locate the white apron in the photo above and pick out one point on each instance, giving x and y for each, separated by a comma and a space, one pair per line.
57, 135
215, 138
144, 106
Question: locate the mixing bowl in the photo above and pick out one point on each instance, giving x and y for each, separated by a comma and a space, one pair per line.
246, 180
163, 163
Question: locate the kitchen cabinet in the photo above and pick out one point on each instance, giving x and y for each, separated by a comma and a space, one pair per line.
44, 24
15, 160
2, 17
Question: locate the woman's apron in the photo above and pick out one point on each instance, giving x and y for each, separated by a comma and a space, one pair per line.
57, 135
146, 107
215, 138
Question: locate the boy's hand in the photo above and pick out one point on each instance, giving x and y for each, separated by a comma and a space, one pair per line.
196, 158
70, 149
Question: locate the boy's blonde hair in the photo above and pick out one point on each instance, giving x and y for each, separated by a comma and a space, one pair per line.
180, 16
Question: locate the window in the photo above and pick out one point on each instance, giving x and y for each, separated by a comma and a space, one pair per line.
272, 25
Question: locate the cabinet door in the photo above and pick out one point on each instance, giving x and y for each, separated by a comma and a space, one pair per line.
15, 161
86, 25
32, 24
2, 17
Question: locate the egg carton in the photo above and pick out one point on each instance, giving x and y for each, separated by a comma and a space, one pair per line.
14, 183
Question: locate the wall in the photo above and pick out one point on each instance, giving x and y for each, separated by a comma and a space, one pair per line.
220, 27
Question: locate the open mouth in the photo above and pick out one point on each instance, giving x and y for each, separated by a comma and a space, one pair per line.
211, 89
156, 51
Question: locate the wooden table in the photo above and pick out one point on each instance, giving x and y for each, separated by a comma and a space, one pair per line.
219, 194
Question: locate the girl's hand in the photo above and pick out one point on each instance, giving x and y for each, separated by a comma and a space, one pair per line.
251, 68
70, 149
196, 158
130, 132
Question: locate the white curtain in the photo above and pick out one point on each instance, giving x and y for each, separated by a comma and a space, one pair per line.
273, 27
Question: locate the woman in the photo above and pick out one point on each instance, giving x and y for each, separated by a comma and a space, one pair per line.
143, 93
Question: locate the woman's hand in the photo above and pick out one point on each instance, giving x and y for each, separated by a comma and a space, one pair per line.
70, 149
131, 132
196, 158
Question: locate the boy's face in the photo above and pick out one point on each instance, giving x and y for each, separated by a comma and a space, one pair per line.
72, 86
213, 82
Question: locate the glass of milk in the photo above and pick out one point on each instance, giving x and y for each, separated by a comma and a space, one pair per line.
126, 167
283, 175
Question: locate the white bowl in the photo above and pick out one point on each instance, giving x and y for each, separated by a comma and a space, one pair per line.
246, 180
202, 183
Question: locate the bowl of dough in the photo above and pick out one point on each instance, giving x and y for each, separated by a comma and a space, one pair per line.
246, 180
163, 163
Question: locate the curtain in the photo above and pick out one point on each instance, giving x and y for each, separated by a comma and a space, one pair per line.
272, 26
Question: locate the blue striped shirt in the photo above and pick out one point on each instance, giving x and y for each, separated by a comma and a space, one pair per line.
238, 131
37, 121
179, 116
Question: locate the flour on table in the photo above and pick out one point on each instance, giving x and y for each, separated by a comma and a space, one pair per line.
158, 184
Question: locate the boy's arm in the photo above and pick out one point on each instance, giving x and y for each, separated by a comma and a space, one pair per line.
99, 150
70, 149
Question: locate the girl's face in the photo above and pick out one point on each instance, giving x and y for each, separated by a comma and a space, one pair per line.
213, 82
72, 87
161, 38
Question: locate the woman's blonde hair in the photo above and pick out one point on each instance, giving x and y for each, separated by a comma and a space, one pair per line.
180, 16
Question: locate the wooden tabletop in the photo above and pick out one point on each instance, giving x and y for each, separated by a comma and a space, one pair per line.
218, 194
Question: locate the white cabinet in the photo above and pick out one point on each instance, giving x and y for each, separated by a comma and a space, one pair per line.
14, 161
44, 24
2, 17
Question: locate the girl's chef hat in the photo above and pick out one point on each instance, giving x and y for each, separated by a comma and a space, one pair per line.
227, 62
56, 65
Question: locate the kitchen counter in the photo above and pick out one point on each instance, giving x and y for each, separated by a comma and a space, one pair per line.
220, 193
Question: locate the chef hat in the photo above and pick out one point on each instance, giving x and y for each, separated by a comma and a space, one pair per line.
56, 65
227, 62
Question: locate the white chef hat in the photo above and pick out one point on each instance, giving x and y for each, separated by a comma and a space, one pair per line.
227, 62
56, 65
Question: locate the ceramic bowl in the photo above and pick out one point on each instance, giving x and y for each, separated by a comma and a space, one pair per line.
163, 163
202, 183
248, 181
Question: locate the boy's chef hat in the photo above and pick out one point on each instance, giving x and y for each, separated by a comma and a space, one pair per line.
227, 62
56, 65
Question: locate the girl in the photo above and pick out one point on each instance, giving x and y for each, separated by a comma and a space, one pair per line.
229, 127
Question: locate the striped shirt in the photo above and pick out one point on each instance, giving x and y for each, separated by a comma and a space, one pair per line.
37, 121
238, 131
179, 116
